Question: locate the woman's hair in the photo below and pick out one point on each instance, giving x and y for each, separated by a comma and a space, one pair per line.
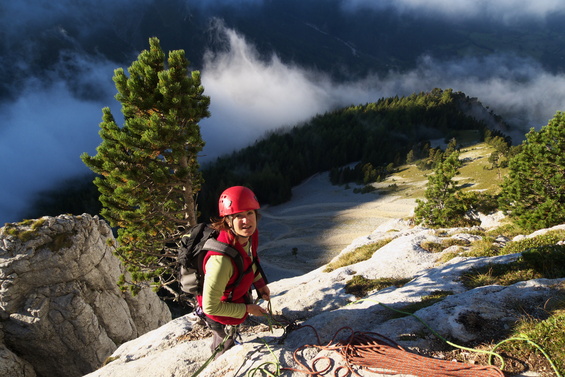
220, 223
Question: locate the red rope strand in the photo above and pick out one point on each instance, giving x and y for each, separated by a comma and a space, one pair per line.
379, 354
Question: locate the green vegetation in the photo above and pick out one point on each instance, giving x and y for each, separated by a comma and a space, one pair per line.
25, 230
534, 192
486, 247
436, 247
358, 255
425, 301
548, 333
446, 203
110, 359
360, 286
366, 144
477, 185
148, 171
500, 274
549, 238
442, 207
61, 241
375, 138
547, 261
508, 230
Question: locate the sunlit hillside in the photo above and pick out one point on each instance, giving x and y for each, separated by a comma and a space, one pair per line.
476, 174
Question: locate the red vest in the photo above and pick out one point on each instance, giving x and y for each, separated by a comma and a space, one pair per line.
238, 293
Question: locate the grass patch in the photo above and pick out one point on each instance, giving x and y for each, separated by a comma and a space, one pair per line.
23, 231
549, 334
542, 262
61, 241
487, 247
548, 239
437, 247
484, 247
447, 256
426, 301
500, 274
360, 286
509, 230
109, 360
38, 223
26, 230
358, 255
476, 173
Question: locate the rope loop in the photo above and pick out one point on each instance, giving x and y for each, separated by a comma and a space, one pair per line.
379, 354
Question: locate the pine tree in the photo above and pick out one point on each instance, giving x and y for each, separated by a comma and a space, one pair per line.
442, 207
148, 173
534, 191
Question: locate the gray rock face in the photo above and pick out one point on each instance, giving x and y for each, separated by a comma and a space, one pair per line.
318, 301
60, 307
14, 366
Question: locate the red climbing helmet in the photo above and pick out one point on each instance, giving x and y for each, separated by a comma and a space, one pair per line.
237, 199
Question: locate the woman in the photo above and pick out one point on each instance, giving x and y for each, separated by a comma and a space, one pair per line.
226, 306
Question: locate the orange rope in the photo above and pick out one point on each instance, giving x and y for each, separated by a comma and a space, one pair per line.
379, 354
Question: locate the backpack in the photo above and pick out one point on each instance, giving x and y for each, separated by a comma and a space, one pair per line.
194, 245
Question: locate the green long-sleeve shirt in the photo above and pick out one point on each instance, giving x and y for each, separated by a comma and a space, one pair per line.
219, 270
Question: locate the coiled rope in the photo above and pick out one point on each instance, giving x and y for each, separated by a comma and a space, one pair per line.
379, 354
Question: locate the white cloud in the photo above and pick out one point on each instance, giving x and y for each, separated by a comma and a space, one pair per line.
44, 131
503, 10
518, 89
250, 96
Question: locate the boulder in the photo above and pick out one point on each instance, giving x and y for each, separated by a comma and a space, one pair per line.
60, 307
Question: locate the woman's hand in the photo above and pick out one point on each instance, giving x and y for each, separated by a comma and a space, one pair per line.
265, 293
255, 310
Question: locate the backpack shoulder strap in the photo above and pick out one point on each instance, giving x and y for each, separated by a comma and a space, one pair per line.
221, 247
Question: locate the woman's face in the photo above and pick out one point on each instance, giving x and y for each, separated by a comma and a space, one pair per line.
244, 223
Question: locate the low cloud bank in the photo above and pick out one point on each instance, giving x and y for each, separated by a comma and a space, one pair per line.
46, 128
507, 11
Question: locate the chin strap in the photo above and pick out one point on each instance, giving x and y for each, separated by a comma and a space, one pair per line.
236, 234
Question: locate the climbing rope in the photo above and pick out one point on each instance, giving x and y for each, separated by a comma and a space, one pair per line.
232, 330
375, 353
379, 354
